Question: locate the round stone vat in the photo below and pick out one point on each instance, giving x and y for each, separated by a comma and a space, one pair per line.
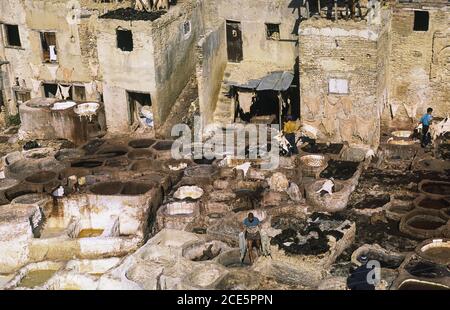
146, 165
423, 224
92, 146
141, 143
201, 171
387, 259
203, 251
238, 280
232, 259
165, 145
69, 154
205, 276
334, 202
418, 267
313, 165
396, 209
32, 199
7, 185
135, 188
435, 189
78, 172
433, 164
106, 188
419, 285
112, 151
191, 192
86, 164
215, 210
41, 177
177, 215
435, 250
117, 162
445, 213
427, 202
63, 105
87, 109
405, 134
141, 154
401, 142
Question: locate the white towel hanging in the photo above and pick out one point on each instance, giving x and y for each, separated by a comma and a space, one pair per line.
65, 91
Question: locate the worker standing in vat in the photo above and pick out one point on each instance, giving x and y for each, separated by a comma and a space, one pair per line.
289, 130
426, 121
252, 234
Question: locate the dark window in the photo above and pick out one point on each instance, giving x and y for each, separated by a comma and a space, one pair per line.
48, 42
12, 35
421, 20
79, 93
135, 102
124, 40
50, 90
273, 31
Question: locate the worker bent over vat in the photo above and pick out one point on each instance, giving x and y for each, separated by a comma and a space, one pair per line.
252, 234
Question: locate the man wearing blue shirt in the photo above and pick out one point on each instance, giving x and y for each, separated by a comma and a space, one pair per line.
426, 121
252, 235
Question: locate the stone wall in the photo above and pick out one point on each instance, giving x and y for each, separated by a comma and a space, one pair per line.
212, 60
26, 62
122, 70
174, 53
419, 68
349, 51
253, 15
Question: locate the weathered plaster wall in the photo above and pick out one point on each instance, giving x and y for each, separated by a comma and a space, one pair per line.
26, 63
346, 50
253, 15
122, 70
212, 60
419, 67
174, 53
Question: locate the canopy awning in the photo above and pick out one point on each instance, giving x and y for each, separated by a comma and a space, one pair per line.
278, 81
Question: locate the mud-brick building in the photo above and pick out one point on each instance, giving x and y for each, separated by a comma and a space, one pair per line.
383, 68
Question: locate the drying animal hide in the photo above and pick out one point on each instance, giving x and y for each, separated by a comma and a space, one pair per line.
35, 84
329, 124
53, 70
411, 110
67, 74
364, 129
65, 91
313, 105
35, 70
394, 108
346, 129
346, 105
327, 187
89, 87
245, 101
58, 94
94, 69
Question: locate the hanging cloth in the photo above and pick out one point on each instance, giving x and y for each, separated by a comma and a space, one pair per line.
65, 91
58, 94
411, 110
346, 105
89, 87
245, 101
53, 70
35, 84
35, 70
52, 49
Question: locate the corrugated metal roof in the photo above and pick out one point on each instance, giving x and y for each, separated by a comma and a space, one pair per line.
278, 81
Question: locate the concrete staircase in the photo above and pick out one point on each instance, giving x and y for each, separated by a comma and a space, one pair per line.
224, 112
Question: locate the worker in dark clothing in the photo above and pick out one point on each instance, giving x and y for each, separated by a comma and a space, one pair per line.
358, 279
425, 120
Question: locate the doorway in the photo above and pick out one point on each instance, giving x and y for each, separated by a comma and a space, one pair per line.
136, 101
234, 41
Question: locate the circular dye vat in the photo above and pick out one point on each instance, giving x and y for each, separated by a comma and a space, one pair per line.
203, 251
438, 251
426, 222
402, 134
314, 161
86, 164
68, 154
140, 154
141, 143
427, 202
63, 105
199, 171
106, 188
401, 142
30, 199
135, 188
112, 151
416, 285
41, 177
232, 259
163, 145
426, 269
435, 187
179, 208
146, 164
